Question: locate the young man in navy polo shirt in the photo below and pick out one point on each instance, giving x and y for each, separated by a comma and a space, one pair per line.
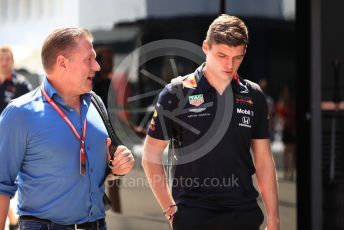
213, 118
12, 84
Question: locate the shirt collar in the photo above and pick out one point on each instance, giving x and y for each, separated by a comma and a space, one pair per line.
203, 85
239, 85
51, 91
9, 78
53, 94
202, 82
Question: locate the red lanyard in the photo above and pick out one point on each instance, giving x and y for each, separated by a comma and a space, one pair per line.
71, 126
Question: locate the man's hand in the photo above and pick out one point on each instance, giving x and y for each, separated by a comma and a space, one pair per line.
123, 160
272, 227
272, 224
171, 221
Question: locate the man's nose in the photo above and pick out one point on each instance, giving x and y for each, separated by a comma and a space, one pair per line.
229, 63
96, 66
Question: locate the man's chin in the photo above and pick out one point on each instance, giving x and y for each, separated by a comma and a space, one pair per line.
226, 76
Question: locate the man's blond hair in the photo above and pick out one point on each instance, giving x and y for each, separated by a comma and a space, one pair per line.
61, 42
6, 49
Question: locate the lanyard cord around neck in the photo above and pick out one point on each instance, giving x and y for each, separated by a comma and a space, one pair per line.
65, 118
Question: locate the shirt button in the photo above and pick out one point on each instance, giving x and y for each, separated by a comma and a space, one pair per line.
91, 213
91, 170
88, 147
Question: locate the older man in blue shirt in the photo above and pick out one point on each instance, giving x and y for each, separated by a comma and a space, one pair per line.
54, 145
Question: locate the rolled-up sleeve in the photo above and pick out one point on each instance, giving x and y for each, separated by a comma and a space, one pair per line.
13, 138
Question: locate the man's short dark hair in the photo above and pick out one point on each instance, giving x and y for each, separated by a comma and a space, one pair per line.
228, 30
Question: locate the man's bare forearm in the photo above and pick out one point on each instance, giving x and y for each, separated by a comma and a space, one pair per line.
266, 177
157, 180
267, 182
153, 167
4, 204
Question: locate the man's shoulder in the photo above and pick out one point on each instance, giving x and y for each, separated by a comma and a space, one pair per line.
253, 86
187, 81
184, 83
254, 91
176, 89
26, 99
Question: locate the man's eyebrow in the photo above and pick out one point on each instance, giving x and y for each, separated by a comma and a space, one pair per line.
220, 52
240, 55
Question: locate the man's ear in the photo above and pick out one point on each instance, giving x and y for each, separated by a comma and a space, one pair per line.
205, 47
61, 62
245, 49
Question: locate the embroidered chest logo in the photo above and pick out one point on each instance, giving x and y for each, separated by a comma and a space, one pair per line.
245, 122
245, 111
243, 100
243, 87
196, 100
190, 82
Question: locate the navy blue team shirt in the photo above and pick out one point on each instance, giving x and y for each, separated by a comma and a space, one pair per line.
14, 86
213, 163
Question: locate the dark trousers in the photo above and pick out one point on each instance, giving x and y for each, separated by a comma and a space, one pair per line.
34, 223
189, 218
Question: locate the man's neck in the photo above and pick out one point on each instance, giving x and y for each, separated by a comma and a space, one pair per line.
3, 77
219, 85
70, 99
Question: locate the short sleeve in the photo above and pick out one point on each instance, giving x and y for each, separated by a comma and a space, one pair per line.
261, 126
161, 125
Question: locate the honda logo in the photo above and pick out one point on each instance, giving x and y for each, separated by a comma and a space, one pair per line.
245, 120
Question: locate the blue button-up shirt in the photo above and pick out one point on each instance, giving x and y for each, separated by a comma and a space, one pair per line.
39, 156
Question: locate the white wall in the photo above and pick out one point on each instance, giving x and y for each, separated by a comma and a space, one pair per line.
29, 21
24, 24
